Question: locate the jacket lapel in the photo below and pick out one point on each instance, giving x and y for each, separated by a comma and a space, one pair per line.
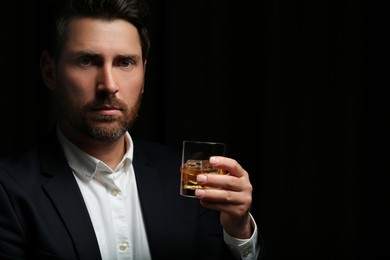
151, 195
66, 196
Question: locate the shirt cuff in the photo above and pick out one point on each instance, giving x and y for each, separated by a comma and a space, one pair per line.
246, 249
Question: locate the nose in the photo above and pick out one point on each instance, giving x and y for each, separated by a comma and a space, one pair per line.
106, 80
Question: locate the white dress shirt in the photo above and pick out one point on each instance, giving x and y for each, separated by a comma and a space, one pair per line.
112, 201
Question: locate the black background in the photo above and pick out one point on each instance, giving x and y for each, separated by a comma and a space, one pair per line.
284, 83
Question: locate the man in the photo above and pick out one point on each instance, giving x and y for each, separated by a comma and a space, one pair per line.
89, 191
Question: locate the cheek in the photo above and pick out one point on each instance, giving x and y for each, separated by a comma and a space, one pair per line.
76, 86
132, 88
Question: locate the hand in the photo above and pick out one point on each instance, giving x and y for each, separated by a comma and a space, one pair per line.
233, 200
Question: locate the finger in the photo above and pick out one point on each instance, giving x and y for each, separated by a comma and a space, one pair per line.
228, 164
233, 203
218, 196
224, 196
219, 181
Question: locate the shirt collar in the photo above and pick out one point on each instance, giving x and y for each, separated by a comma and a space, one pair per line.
85, 165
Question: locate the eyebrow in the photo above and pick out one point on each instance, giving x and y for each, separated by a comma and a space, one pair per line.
134, 57
93, 54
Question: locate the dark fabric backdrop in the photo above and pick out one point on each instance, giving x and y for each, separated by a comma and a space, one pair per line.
282, 82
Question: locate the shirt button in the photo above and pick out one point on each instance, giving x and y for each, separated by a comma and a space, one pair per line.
246, 252
123, 246
114, 192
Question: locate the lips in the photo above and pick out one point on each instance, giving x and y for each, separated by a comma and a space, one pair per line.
107, 109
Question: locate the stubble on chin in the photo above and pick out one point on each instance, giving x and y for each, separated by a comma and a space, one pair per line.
102, 127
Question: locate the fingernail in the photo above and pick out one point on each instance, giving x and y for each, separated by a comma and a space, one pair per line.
214, 160
201, 178
199, 192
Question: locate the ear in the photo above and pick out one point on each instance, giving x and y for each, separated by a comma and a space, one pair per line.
48, 74
145, 65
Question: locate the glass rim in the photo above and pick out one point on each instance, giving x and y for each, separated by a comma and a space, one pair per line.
203, 142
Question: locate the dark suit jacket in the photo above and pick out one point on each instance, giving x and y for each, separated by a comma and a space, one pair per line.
43, 215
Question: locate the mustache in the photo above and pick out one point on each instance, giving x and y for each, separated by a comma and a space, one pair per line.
108, 101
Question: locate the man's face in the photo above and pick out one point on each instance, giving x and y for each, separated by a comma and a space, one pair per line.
100, 78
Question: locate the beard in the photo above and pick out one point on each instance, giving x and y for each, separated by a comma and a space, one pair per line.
99, 127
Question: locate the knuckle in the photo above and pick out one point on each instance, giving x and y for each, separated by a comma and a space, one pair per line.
229, 196
241, 211
249, 187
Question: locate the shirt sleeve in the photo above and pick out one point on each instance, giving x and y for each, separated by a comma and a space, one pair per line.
244, 249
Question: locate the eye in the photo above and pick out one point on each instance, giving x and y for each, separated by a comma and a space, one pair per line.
126, 62
85, 60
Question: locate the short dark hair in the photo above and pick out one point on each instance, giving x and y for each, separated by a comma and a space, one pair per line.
136, 12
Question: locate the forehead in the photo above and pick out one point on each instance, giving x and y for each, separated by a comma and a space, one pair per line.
98, 34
